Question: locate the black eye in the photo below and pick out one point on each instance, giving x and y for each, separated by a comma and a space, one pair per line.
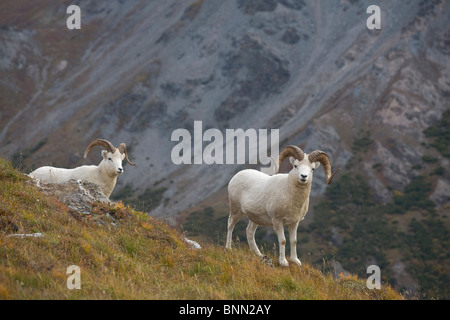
313, 169
109, 159
295, 166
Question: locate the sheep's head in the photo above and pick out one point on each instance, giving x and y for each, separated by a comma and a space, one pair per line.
304, 164
112, 156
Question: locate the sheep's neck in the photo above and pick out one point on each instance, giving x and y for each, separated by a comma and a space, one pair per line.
299, 192
107, 181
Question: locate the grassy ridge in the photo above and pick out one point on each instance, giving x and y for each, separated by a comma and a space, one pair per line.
137, 258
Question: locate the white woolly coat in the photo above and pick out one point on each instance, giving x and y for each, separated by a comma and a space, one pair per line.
94, 174
262, 197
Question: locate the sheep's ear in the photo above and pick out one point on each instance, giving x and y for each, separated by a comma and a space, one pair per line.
316, 164
292, 160
104, 154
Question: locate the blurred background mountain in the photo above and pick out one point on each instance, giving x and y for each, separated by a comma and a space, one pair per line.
377, 101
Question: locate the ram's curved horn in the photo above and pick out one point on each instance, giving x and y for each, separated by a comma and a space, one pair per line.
123, 150
323, 158
289, 151
275, 164
100, 142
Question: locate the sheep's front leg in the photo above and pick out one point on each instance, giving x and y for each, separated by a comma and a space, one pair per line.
293, 241
279, 230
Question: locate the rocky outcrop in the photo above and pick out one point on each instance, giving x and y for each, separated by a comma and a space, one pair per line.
79, 196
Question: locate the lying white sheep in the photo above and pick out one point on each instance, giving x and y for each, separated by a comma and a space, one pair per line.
279, 200
105, 174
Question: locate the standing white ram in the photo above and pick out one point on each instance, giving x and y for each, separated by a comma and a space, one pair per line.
279, 200
105, 174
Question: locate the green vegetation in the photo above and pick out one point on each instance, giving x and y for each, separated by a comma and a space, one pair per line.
357, 231
429, 159
210, 225
415, 196
429, 241
200, 221
361, 145
370, 232
147, 201
138, 258
439, 134
439, 171
349, 208
377, 166
362, 142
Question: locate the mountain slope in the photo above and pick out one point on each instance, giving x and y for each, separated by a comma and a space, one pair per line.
137, 257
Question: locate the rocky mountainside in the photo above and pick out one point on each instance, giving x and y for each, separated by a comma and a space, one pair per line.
138, 70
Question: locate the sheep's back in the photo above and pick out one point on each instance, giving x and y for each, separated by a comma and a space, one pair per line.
50, 174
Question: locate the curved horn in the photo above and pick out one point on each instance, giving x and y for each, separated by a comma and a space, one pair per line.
123, 150
323, 158
289, 151
100, 142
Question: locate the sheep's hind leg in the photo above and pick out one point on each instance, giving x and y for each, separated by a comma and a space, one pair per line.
232, 220
251, 229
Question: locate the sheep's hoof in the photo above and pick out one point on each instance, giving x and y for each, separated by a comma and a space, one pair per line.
297, 262
267, 261
284, 263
